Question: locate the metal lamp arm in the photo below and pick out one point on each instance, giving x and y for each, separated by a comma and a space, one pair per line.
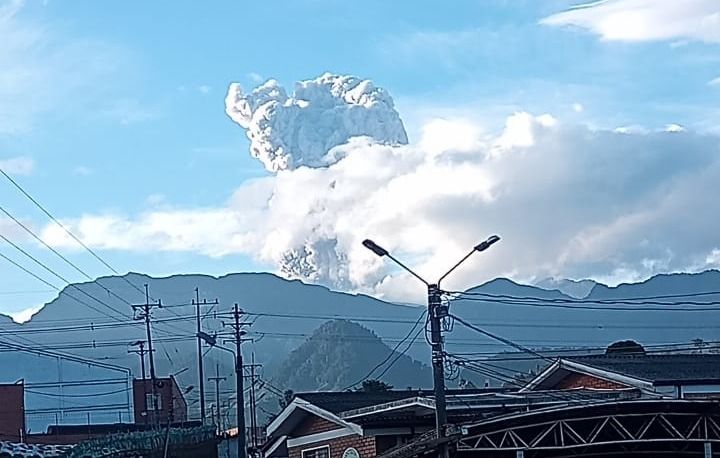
407, 269
229, 351
455, 266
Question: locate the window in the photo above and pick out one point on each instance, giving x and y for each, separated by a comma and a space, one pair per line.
149, 404
320, 452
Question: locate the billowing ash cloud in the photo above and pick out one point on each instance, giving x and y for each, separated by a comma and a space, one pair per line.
287, 132
568, 200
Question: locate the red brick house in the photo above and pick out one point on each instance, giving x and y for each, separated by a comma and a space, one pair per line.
12, 415
171, 402
312, 427
366, 425
678, 376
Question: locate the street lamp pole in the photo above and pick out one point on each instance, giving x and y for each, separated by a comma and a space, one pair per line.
239, 388
436, 313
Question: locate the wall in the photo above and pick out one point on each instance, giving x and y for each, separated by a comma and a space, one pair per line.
364, 445
576, 380
60, 439
313, 425
12, 415
168, 390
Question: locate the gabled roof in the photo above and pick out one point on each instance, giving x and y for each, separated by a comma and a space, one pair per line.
343, 401
297, 411
561, 368
633, 370
332, 406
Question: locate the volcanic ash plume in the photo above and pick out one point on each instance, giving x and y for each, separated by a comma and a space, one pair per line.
287, 132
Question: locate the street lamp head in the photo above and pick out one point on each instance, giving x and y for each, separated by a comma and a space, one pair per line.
482, 246
375, 248
207, 338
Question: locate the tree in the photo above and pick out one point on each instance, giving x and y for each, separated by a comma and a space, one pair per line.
374, 386
625, 347
287, 398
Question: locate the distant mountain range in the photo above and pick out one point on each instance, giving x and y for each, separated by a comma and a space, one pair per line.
285, 313
578, 289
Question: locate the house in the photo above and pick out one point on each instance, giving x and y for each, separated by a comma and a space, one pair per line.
12, 419
679, 376
649, 404
365, 425
312, 426
171, 403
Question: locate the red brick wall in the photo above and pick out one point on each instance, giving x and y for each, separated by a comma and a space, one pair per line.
168, 391
364, 445
313, 425
575, 380
12, 413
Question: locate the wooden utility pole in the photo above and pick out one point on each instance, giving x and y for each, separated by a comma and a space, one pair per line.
145, 314
253, 404
239, 382
201, 372
140, 351
217, 379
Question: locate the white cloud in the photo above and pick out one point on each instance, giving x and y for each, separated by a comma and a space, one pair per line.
24, 315
645, 20
21, 165
577, 107
631, 129
673, 128
204, 89
568, 200
713, 259
714, 82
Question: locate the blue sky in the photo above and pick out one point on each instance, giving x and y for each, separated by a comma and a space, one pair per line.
119, 106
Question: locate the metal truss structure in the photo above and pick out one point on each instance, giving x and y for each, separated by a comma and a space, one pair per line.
578, 430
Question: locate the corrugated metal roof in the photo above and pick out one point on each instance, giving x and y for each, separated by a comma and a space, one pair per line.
658, 368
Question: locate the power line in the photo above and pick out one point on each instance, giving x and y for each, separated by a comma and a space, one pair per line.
390, 355
88, 395
401, 354
498, 338
579, 306
586, 299
67, 231
51, 271
57, 253
55, 287
587, 303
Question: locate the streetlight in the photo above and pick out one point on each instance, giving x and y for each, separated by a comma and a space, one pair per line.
436, 312
237, 357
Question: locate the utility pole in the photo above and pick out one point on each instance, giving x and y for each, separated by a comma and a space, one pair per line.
201, 372
437, 312
239, 383
217, 379
140, 351
253, 405
145, 314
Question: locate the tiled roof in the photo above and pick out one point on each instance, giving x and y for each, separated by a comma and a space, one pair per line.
343, 401
658, 368
337, 402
